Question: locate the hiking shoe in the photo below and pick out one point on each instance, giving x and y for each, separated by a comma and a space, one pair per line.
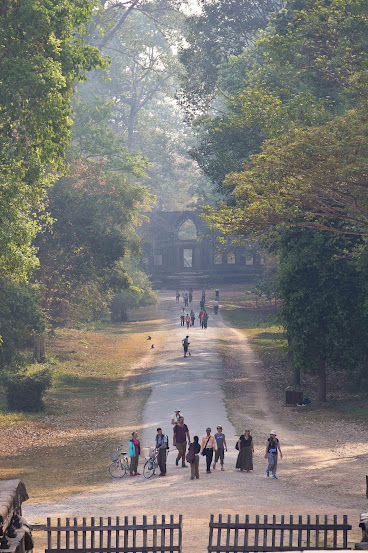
177, 462
267, 473
222, 468
274, 476
214, 466
184, 466
208, 471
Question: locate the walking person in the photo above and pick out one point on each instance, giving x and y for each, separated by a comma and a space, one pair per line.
177, 296
205, 318
185, 342
245, 446
216, 307
180, 437
203, 296
193, 458
272, 449
191, 295
182, 317
188, 320
192, 317
208, 446
176, 416
201, 305
162, 445
221, 447
134, 452
185, 298
200, 317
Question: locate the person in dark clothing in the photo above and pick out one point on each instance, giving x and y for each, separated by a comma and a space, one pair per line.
194, 448
180, 437
185, 342
205, 318
246, 449
161, 446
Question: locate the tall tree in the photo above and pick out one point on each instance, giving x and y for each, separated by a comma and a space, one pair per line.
43, 55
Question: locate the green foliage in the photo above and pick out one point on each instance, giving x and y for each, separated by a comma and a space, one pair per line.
138, 294
20, 319
24, 390
324, 298
42, 56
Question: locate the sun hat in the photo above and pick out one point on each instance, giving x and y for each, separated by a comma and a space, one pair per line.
273, 432
219, 426
177, 410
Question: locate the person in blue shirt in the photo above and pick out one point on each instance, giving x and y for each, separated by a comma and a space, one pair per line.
162, 447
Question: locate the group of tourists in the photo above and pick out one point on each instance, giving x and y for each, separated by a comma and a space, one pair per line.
187, 297
211, 446
188, 319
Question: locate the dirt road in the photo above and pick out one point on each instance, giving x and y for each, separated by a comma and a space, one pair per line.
317, 476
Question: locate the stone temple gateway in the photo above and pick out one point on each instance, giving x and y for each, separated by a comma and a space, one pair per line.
180, 249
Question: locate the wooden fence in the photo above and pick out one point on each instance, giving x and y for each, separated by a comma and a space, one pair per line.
231, 536
117, 536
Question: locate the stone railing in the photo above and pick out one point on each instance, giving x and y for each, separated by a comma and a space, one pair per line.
15, 536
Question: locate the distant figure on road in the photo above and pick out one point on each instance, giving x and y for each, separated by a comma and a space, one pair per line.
272, 448
216, 307
200, 317
192, 317
162, 447
185, 298
182, 317
185, 342
201, 305
188, 320
180, 437
193, 452
203, 296
176, 416
191, 295
134, 452
208, 446
205, 318
177, 295
221, 447
246, 450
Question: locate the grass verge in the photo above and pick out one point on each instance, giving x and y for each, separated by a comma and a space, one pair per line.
257, 319
98, 391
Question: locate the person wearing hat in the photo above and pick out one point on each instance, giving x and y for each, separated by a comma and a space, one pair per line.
176, 416
208, 446
272, 449
221, 447
180, 438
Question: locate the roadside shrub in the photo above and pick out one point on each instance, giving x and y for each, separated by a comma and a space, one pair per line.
25, 390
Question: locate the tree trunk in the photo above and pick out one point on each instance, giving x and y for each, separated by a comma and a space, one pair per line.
39, 348
322, 384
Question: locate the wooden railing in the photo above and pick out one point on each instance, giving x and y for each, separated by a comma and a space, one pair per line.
235, 536
100, 535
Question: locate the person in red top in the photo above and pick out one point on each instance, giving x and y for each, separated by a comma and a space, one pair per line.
188, 320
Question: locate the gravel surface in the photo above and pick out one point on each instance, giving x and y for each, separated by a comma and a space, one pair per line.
323, 470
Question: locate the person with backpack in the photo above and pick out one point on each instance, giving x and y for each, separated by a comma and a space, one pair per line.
185, 343
193, 458
162, 446
272, 449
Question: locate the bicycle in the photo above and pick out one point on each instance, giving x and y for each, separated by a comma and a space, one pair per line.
120, 464
151, 464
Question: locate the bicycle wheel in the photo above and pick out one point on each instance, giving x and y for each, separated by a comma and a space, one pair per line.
149, 468
117, 469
